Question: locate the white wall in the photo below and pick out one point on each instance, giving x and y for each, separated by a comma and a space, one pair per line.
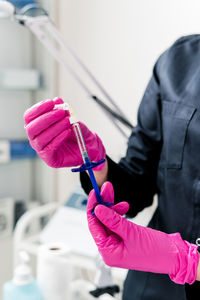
120, 42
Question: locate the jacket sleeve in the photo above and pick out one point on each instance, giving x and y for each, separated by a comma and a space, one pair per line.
134, 177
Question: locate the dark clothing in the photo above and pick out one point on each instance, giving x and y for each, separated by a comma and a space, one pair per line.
163, 158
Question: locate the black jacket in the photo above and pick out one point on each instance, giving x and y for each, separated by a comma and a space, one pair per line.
163, 157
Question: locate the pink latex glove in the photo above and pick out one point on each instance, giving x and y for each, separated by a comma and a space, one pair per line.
124, 244
51, 135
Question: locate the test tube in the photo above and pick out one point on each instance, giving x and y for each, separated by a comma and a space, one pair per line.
83, 151
78, 133
81, 142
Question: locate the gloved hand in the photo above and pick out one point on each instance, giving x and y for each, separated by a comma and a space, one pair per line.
124, 244
51, 135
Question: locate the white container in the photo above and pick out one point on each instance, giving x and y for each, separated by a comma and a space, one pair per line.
23, 286
54, 271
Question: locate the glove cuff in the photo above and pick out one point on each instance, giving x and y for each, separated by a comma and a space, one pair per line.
188, 258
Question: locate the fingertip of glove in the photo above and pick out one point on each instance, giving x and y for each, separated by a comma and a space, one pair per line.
97, 210
107, 185
62, 113
58, 100
101, 211
92, 201
125, 205
92, 192
107, 192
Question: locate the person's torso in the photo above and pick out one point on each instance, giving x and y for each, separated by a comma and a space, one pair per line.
178, 177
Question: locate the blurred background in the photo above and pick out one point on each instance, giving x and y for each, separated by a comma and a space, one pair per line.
119, 41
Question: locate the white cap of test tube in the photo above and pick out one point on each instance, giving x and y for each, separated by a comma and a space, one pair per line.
65, 106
